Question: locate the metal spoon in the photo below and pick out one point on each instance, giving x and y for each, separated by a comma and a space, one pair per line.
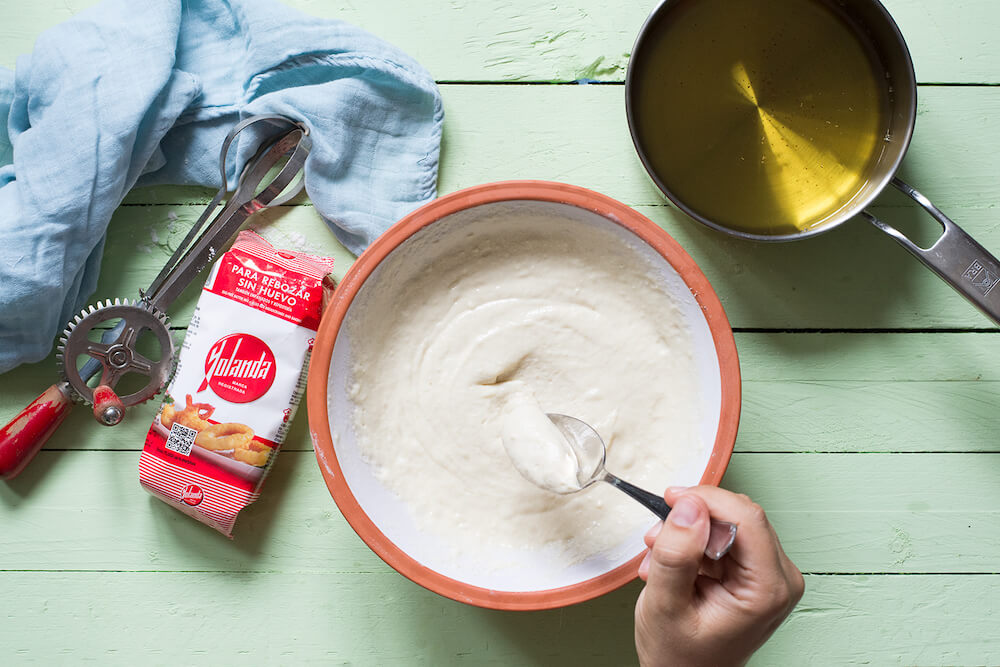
591, 453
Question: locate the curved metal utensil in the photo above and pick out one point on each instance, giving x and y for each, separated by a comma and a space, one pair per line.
591, 455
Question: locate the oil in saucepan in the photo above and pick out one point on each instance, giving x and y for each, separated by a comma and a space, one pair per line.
763, 116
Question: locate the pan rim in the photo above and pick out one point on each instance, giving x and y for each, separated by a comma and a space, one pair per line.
852, 207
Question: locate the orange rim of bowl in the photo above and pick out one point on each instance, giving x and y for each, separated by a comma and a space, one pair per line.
347, 290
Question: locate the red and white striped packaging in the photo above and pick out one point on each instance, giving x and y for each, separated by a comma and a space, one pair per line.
239, 379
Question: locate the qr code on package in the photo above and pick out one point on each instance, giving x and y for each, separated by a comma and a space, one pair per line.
181, 438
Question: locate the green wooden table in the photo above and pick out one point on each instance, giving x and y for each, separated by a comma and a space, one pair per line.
869, 430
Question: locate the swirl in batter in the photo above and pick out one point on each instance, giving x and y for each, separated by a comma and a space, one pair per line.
504, 308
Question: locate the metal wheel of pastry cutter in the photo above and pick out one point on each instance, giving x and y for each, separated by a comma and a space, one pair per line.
119, 357
270, 178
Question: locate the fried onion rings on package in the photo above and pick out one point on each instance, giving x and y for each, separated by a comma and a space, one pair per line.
230, 435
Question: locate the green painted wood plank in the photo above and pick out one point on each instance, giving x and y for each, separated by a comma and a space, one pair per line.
380, 619
523, 40
341, 618
579, 134
907, 620
834, 416
836, 513
801, 392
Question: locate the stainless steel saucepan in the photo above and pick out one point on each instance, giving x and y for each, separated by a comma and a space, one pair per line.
955, 256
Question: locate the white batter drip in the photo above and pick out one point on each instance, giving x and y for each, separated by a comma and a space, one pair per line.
545, 307
537, 449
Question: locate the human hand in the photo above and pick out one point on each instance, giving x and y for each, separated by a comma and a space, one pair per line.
694, 611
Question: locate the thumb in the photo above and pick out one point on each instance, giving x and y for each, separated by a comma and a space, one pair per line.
676, 554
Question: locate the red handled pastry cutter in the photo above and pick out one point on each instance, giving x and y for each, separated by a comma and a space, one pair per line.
92, 369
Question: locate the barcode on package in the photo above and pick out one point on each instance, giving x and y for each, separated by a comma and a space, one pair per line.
181, 438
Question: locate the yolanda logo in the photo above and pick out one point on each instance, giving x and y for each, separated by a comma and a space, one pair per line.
239, 368
192, 494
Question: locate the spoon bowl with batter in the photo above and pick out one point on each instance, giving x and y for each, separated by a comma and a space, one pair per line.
590, 452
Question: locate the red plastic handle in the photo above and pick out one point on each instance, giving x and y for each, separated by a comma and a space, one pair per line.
108, 408
21, 439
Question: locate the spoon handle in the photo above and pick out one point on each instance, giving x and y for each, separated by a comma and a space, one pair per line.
720, 537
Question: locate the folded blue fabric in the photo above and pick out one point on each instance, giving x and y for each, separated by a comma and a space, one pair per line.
142, 93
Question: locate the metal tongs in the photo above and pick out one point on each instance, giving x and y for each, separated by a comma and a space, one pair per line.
116, 355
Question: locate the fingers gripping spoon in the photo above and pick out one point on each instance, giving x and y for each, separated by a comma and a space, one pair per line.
283, 154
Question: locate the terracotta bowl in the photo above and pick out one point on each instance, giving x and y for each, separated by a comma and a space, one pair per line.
381, 519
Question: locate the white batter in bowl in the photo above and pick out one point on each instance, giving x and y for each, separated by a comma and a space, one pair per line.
490, 305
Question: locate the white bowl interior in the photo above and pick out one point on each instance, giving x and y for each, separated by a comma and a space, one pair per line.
521, 570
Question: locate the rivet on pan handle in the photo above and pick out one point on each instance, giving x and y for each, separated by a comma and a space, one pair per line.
956, 257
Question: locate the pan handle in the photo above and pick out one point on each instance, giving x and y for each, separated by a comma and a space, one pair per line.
955, 257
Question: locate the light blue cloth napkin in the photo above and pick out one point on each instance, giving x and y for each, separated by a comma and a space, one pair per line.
143, 93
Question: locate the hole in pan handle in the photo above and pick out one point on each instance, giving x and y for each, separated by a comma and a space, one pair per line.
955, 257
